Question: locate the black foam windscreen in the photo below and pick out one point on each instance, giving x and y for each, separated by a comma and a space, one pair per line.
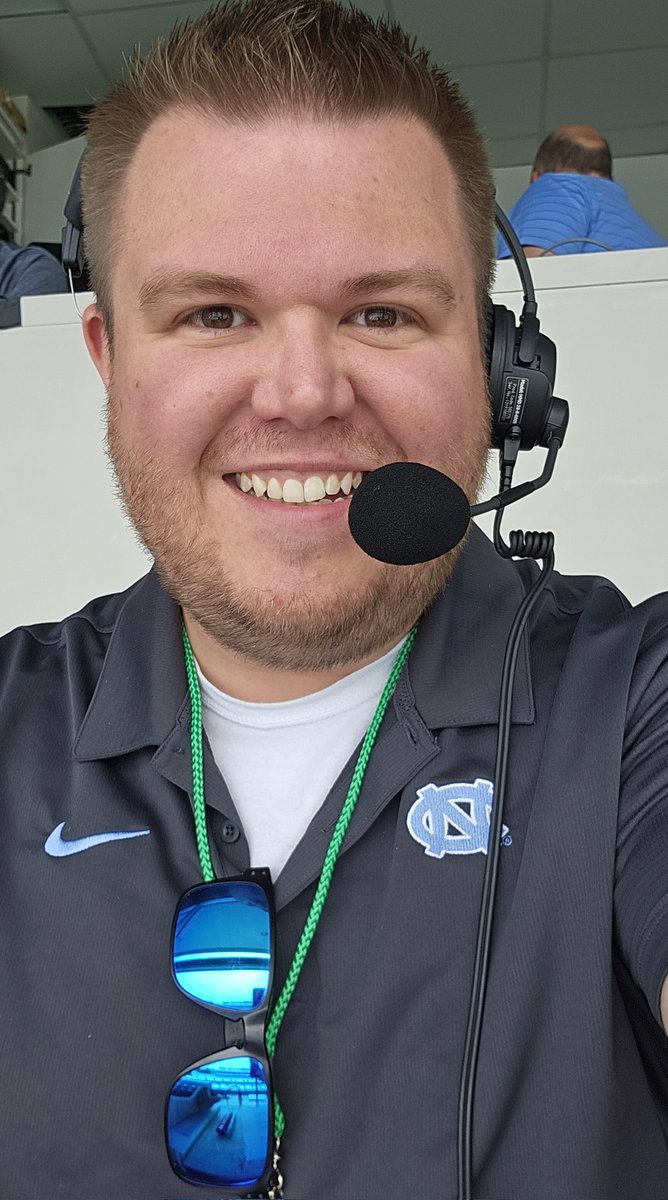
407, 513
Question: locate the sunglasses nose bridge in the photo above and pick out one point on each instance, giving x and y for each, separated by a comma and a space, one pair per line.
234, 1033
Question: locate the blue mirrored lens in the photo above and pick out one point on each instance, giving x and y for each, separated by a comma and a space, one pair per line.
218, 1123
222, 950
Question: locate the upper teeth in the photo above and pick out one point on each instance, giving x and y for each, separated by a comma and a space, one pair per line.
294, 491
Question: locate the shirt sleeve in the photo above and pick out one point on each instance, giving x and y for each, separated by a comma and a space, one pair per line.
641, 877
553, 209
32, 271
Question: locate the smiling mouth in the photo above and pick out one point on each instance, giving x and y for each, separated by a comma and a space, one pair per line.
313, 489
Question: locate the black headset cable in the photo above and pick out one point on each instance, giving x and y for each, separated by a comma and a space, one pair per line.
521, 545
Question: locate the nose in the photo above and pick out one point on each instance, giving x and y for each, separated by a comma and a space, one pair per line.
303, 380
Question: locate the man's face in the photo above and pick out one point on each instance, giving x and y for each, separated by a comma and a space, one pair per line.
293, 306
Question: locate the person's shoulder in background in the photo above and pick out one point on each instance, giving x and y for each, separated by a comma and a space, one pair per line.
30, 271
555, 206
571, 213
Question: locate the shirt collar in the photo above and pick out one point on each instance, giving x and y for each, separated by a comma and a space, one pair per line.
142, 690
454, 668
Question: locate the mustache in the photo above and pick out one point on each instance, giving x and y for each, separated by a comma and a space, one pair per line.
253, 439
257, 440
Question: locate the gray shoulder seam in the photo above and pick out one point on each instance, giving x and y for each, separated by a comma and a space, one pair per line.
603, 585
57, 637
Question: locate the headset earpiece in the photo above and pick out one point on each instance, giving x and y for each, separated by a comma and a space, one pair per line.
72, 251
520, 391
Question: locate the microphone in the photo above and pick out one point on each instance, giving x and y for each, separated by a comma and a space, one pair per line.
407, 513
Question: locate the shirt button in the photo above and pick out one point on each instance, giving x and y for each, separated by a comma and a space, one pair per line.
230, 832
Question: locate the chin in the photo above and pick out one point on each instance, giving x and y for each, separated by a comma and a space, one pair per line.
312, 628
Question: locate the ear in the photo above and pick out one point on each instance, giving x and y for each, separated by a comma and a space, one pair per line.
97, 341
534, 176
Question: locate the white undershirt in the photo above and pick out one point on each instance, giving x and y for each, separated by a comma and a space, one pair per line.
280, 760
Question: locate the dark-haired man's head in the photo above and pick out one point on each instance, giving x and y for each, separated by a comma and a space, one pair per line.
576, 150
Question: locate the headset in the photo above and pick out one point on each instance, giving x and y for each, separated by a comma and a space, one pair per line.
72, 249
521, 365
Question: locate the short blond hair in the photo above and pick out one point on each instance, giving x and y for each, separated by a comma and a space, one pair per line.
248, 61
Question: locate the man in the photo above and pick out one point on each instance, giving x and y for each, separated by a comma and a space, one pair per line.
572, 204
289, 221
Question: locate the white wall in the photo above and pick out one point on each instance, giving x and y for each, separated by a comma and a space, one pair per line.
645, 179
63, 537
42, 129
47, 189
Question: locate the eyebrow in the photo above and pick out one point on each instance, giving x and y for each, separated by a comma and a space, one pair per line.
424, 279
174, 285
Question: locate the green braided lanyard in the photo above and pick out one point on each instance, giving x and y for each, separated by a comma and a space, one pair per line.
333, 849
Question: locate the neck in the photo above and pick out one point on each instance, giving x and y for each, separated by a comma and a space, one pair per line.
248, 680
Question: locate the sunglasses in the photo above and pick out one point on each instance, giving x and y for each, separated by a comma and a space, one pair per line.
219, 1118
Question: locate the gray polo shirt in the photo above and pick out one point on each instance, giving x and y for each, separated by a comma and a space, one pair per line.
572, 1085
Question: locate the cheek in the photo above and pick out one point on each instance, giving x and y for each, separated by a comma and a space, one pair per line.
440, 410
166, 408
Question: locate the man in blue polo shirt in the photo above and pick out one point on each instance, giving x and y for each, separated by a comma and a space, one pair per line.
572, 204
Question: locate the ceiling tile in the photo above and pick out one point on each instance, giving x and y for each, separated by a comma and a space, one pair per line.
513, 152
23, 8
116, 34
47, 59
609, 90
646, 139
598, 25
505, 96
375, 8
106, 6
478, 32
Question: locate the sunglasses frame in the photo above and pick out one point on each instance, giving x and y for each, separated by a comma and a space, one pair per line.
250, 1029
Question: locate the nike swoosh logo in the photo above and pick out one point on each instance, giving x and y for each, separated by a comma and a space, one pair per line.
57, 847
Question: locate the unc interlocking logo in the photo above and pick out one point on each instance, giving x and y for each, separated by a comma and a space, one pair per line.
454, 818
